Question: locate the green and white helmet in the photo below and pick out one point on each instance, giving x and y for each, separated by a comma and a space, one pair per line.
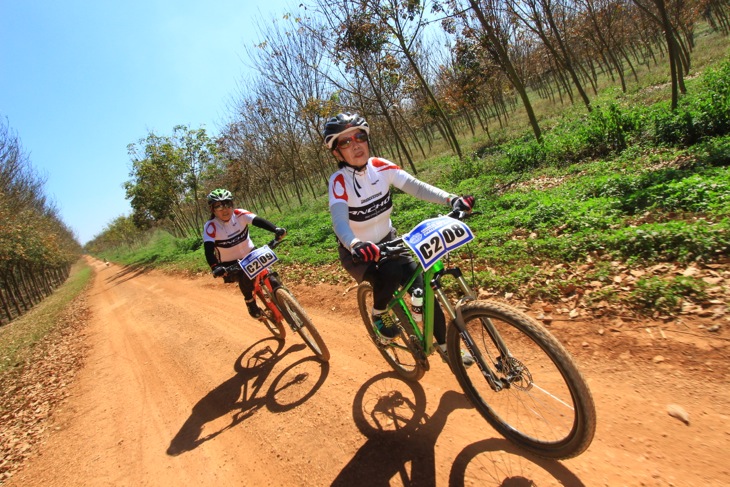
219, 194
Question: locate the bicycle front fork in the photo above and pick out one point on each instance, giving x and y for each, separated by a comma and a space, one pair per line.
456, 319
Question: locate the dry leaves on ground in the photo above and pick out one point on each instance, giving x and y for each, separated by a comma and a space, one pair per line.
32, 390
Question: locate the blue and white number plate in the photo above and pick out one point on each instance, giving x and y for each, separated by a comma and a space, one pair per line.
258, 260
432, 239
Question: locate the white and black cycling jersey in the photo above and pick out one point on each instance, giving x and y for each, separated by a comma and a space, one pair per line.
231, 238
361, 203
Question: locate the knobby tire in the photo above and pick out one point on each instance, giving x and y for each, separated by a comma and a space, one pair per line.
293, 311
398, 354
547, 409
276, 328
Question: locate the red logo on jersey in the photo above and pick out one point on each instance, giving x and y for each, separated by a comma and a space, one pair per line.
210, 230
381, 165
338, 188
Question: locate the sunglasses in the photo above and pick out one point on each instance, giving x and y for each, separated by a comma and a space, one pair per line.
358, 137
223, 204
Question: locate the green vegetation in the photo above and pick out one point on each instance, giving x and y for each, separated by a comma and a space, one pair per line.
18, 338
666, 295
631, 184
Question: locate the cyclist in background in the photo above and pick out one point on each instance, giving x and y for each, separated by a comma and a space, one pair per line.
360, 206
226, 240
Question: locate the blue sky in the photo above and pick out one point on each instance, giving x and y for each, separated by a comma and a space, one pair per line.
80, 80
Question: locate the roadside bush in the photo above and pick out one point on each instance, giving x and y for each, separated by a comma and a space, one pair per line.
697, 193
680, 190
705, 112
654, 294
189, 244
467, 168
524, 156
673, 240
713, 152
607, 130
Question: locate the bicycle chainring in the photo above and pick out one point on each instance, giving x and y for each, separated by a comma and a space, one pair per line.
414, 345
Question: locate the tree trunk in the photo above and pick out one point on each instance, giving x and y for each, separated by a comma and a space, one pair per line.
507, 67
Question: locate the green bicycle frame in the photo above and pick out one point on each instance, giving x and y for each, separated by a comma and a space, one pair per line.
432, 292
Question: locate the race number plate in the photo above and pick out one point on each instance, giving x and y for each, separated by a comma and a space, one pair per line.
258, 260
432, 239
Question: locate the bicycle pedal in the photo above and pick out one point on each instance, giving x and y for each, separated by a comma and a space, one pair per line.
382, 340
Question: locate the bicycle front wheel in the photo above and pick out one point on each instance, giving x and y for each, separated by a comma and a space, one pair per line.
268, 318
545, 405
398, 353
301, 323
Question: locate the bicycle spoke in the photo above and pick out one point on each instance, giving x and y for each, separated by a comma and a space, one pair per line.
544, 405
302, 324
396, 353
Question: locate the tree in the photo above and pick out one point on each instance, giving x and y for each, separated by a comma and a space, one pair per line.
659, 12
494, 31
167, 179
404, 21
541, 17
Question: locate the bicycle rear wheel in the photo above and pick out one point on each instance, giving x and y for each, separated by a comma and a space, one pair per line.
545, 406
301, 323
399, 353
276, 328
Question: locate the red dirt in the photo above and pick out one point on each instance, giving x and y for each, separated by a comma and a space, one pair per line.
174, 391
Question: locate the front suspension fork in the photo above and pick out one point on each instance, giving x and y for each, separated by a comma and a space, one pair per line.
457, 319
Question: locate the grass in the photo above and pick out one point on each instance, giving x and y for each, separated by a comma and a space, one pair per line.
19, 337
629, 184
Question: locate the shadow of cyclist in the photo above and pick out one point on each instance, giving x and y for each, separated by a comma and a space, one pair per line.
127, 273
391, 413
239, 396
488, 459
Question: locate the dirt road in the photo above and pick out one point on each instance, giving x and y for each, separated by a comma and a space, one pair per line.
175, 392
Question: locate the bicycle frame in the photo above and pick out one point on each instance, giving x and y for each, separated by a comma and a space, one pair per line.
262, 284
548, 410
433, 292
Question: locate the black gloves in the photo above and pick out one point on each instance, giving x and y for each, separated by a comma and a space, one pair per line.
366, 252
218, 270
279, 233
462, 203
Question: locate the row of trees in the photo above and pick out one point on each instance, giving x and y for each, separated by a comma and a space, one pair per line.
424, 73
36, 247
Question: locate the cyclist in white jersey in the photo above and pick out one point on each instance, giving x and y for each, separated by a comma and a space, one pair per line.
226, 240
360, 206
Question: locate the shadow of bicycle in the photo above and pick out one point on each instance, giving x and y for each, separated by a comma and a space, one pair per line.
241, 396
401, 443
498, 461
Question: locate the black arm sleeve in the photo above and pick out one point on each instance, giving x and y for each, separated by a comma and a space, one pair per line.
263, 223
209, 248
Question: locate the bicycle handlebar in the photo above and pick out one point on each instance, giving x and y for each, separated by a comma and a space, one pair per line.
395, 248
235, 268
